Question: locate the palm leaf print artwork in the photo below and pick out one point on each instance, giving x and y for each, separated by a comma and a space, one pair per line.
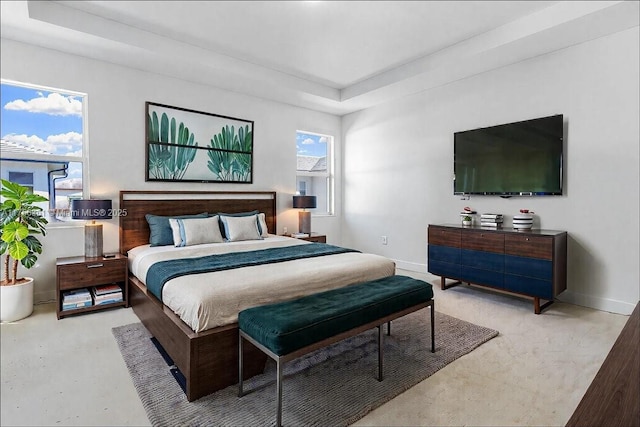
173, 153
171, 148
230, 154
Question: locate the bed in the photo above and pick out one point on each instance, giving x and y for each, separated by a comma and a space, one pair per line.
202, 339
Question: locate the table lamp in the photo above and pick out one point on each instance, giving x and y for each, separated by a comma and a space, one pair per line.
304, 216
91, 210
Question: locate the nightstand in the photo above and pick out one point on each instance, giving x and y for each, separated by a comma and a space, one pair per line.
82, 272
314, 237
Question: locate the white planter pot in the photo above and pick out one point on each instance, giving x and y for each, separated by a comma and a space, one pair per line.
16, 301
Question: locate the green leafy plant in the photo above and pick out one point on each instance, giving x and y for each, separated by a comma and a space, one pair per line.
466, 218
230, 159
20, 220
170, 159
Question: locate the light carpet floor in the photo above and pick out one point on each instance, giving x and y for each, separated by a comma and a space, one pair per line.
332, 386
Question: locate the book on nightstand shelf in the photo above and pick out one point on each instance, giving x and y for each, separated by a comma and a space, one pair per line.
76, 298
106, 289
74, 305
106, 294
107, 300
299, 235
81, 294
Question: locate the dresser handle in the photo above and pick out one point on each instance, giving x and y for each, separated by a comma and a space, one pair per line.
95, 265
526, 238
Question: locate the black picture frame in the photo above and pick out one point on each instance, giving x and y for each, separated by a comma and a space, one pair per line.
185, 145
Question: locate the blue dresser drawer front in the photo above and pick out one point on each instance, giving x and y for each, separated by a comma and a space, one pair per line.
444, 269
482, 260
444, 254
529, 286
529, 267
481, 277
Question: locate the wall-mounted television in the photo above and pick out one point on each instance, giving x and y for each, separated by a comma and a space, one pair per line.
514, 159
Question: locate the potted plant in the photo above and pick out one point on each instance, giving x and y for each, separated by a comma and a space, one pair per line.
466, 220
20, 220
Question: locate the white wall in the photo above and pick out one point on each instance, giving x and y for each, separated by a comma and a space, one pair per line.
398, 163
116, 99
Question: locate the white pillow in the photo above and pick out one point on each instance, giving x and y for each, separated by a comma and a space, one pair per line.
263, 224
241, 227
195, 231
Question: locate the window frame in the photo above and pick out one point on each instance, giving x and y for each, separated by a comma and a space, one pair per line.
56, 158
329, 175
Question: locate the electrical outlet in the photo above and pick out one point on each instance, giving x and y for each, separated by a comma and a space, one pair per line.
284, 230
384, 240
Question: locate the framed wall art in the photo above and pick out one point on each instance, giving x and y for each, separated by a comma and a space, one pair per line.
193, 146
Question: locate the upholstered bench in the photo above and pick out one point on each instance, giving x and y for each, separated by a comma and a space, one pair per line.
290, 329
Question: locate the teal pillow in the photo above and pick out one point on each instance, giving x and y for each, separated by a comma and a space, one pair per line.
160, 229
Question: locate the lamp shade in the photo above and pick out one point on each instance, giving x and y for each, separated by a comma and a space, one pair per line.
91, 209
304, 202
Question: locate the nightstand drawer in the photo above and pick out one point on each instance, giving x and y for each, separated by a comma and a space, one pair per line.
91, 273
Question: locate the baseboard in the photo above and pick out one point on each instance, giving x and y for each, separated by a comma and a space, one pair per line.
410, 266
44, 297
604, 304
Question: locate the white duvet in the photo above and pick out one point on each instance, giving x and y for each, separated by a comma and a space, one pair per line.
207, 300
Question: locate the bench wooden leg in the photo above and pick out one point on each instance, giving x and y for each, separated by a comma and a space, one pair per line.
389, 328
380, 345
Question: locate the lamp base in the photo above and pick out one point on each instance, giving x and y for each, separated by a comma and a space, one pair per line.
304, 222
93, 240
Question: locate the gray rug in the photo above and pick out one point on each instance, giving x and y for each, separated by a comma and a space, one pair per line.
334, 386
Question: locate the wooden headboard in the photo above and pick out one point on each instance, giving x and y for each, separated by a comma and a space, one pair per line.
134, 205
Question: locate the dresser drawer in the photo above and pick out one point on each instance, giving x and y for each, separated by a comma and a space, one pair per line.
529, 267
444, 254
483, 241
529, 246
444, 269
482, 260
443, 236
481, 276
529, 286
91, 273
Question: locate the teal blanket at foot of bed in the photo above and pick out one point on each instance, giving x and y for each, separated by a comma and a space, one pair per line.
163, 271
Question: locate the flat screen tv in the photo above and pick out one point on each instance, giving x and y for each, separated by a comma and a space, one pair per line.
515, 159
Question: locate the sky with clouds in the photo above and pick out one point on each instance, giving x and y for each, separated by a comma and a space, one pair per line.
44, 120
311, 145
48, 121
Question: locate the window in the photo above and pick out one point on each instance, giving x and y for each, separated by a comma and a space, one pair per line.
315, 169
23, 178
42, 143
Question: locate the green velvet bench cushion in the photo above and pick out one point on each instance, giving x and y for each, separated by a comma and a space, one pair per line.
291, 325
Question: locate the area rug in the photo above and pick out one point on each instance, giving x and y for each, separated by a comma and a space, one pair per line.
333, 386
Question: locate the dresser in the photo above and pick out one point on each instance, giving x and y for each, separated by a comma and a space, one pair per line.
525, 262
